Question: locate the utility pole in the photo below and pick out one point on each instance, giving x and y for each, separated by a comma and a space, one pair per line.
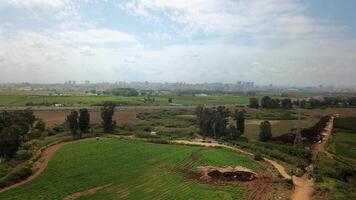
298, 142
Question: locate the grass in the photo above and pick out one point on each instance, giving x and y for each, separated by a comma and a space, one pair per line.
279, 127
136, 170
344, 144
22, 100
329, 177
348, 123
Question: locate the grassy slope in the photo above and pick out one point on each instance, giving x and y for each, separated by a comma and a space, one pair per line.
137, 170
19, 100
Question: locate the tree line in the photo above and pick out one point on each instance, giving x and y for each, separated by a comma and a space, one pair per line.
268, 102
287, 103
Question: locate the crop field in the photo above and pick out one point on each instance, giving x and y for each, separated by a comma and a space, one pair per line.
22, 100
344, 144
130, 170
348, 123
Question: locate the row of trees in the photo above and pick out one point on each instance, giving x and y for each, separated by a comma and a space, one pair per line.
268, 102
327, 101
79, 122
18, 127
213, 122
286, 103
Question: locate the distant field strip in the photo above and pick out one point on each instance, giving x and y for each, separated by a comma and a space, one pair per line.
19, 100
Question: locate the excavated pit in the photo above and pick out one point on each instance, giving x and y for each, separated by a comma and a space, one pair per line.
228, 174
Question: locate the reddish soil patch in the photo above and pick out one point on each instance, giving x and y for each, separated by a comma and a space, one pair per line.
58, 117
343, 112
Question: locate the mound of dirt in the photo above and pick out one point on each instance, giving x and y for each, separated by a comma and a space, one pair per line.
238, 173
310, 135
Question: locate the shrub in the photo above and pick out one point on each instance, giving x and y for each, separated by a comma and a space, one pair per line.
146, 135
159, 141
15, 177
258, 157
23, 155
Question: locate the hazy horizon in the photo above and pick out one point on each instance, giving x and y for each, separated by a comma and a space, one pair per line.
282, 42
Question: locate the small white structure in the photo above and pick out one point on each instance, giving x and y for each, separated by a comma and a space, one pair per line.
201, 95
153, 133
58, 105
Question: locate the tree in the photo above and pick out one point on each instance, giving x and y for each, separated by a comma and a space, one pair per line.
265, 131
240, 121
286, 103
107, 113
254, 103
72, 120
10, 141
212, 121
170, 100
84, 121
268, 102
40, 125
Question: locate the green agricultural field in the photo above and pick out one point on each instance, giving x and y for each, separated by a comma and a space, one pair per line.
134, 170
344, 144
348, 123
22, 100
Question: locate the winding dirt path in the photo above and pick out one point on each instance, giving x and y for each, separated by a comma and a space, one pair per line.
40, 164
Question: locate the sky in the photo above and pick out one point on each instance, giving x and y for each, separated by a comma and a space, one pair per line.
282, 42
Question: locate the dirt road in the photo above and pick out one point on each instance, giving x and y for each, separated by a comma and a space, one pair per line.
303, 186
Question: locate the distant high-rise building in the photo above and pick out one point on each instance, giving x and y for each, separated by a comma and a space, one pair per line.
87, 82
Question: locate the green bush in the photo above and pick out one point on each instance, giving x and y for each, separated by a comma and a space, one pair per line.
258, 157
23, 155
159, 141
15, 177
146, 135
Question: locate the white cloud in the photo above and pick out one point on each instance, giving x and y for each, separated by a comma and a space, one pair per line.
232, 16
33, 3
95, 36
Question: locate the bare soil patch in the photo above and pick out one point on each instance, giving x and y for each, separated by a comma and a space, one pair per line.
258, 122
59, 117
238, 173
